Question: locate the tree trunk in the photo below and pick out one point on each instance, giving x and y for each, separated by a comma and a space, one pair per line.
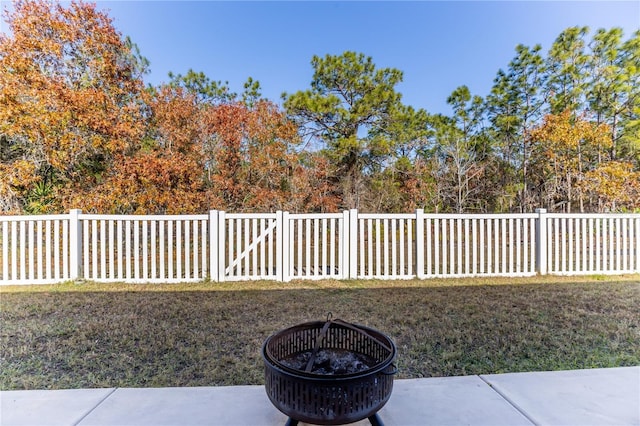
569, 193
580, 196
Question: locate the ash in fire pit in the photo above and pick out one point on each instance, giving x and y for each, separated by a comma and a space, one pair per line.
330, 362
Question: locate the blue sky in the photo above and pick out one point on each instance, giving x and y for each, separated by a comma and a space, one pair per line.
438, 45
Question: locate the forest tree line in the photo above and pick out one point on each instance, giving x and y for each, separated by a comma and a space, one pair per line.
79, 129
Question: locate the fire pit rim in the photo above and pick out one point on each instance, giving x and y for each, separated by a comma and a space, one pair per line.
376, 369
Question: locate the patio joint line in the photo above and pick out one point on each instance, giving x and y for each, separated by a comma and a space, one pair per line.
81, 419
510, 401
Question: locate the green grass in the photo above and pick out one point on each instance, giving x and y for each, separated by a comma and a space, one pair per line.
108, 335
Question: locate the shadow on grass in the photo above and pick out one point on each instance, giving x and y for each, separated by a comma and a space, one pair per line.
206, 338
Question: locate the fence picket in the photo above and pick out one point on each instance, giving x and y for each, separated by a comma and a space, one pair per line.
419, 239
94, 250
31, 248
153, 248
402, 271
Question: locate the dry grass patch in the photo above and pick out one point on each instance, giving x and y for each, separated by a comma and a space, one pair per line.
98, 335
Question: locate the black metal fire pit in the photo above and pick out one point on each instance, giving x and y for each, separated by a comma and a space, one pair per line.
329, 373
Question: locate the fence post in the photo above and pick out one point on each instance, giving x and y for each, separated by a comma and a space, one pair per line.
420, 243
282, 246
279, 243
75, 244
541, 241
344, 240
353, 243
213, 245
221, 242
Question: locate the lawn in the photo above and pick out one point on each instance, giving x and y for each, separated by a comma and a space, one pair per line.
119, 335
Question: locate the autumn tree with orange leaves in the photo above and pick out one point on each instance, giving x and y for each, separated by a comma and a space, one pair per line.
252, 163
79, 131
164, 174
201, 154
613, 186
69, 101
565, 148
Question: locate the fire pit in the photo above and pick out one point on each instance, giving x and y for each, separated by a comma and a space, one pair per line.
329, 373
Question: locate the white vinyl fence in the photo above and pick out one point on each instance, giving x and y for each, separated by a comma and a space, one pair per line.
280, 246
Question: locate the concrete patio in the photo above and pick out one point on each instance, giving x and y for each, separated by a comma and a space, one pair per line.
579, 397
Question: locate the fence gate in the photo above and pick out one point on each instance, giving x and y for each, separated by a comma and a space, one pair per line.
249, 246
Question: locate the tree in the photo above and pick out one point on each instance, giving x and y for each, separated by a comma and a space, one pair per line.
614, 185
201, 86
397, 182
254, 158
154, 181
567, 62
164, 174
69, 100
613, 92
310, 187
199, 156
458, 145
348, 109
565, 147
513, 107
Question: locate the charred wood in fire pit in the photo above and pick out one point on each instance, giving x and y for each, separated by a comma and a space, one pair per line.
331, 361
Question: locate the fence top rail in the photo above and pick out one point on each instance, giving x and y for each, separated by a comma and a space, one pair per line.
386, 215
134, 217
481, 216
316, 215
178, 217
593, 215
250, 215
32, 218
